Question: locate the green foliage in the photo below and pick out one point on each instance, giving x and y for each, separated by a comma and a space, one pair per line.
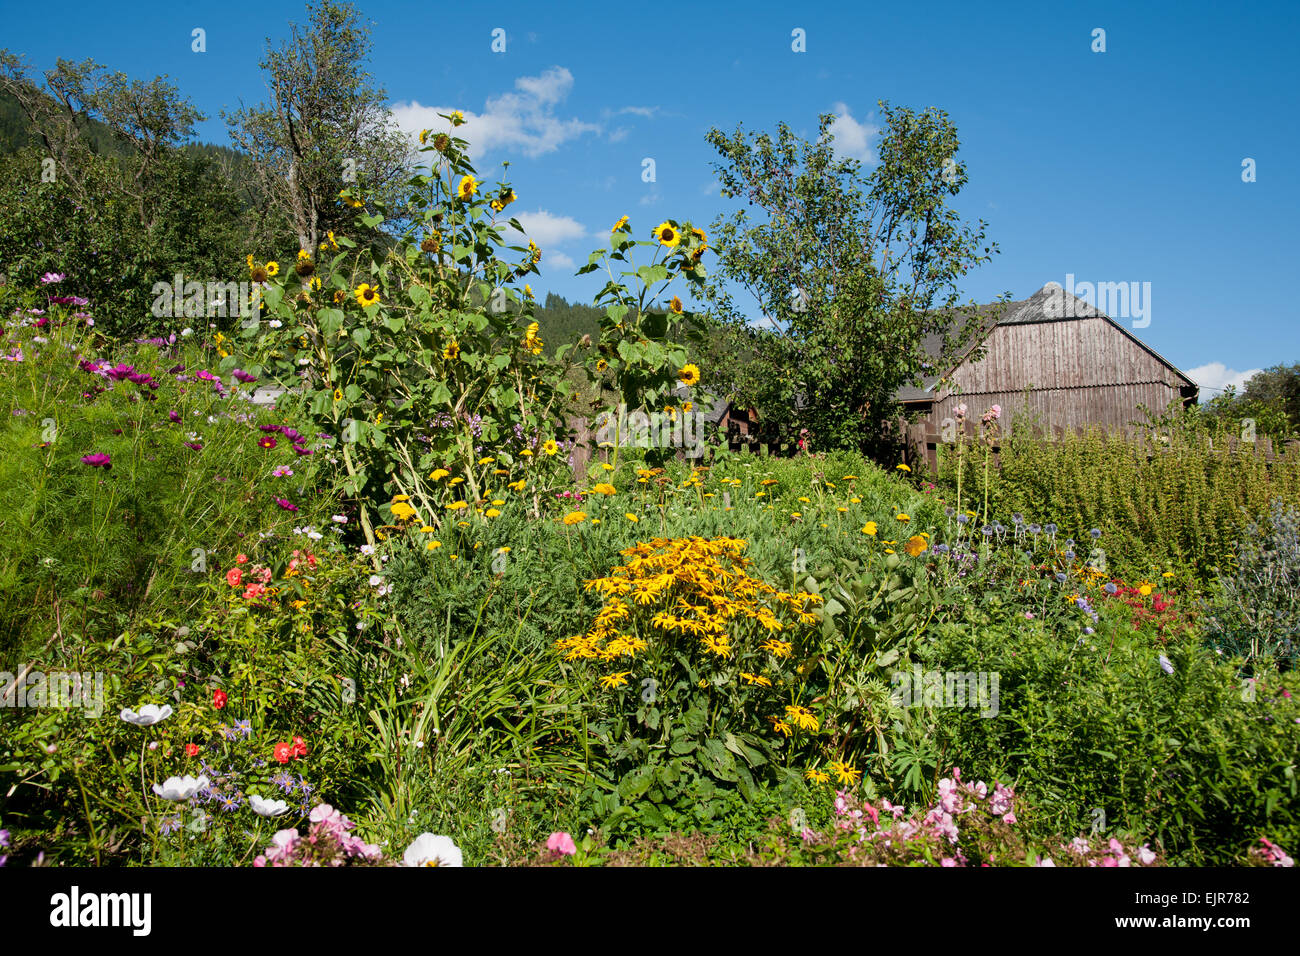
1255, 613
1177, 500
851, 272
88, 549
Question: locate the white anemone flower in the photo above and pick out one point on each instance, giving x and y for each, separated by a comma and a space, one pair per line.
431, 850
180, 788
148, 715
267, 808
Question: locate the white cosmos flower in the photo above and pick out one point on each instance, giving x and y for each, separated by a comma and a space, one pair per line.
431, 850
180, 788
149, 714
267, 808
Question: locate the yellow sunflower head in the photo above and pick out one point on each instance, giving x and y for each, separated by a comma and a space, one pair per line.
366, 295
667, 234
689, 374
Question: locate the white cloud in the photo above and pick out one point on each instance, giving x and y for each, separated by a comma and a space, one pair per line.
546, 229
711, 188
649, 199
619, 134
647, 111
1215, 376
561, 261
852, 139
523, 121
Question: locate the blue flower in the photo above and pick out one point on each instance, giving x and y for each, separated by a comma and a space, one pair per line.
1095, 532
1110, 587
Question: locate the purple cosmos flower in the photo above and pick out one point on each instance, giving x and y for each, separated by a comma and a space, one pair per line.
268, 442
292, 434
286, 504
120, 372
268, 428
176, 369
98, 460
243, 376
174, 416
282, 472
303, 451
206, 375
193, 444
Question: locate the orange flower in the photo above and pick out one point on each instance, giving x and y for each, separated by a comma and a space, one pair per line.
234, 577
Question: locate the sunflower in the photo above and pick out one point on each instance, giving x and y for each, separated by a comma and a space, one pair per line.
534, 253
550, 447
689, 374
675, 306
457, 118
257, 273
667, 234
467, 188
339, 296
452, 351
366, 294
620, 226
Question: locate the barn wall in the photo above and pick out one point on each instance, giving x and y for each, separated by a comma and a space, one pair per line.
1078, 373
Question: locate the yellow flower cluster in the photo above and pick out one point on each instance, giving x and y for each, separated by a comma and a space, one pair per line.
690, 586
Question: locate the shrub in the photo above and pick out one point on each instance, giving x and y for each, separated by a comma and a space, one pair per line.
1255, 614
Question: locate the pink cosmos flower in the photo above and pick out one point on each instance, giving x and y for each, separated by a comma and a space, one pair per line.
98, 460
286, 504
561, 843
52, 277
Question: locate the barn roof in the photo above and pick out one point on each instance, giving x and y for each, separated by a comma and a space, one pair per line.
1051, 303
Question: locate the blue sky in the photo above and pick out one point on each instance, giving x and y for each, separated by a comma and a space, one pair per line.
1115, 166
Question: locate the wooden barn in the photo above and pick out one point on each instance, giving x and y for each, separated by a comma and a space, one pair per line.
1053, 358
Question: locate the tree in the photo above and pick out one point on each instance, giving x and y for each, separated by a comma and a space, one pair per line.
851, 272
108, 190
325, 128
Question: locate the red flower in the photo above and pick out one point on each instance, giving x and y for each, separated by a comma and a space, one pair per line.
218, 698
283, 752
234, 577
299, 747
267, 442
191, 750
241, 558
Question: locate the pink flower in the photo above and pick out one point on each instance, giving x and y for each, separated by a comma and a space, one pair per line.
51, 277
286, 504
561, 843
98, 460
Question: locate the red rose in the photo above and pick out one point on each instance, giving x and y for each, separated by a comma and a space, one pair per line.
191, 750
299, 747
234, 577
218, 698
283, 752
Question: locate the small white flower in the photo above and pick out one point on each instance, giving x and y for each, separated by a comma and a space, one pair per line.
367, 549
186, 333
375, 580
148, 715
1166, 665
339, 519
431, 850
267, 808
1146, 856
315, 535
275, 323
180, 788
